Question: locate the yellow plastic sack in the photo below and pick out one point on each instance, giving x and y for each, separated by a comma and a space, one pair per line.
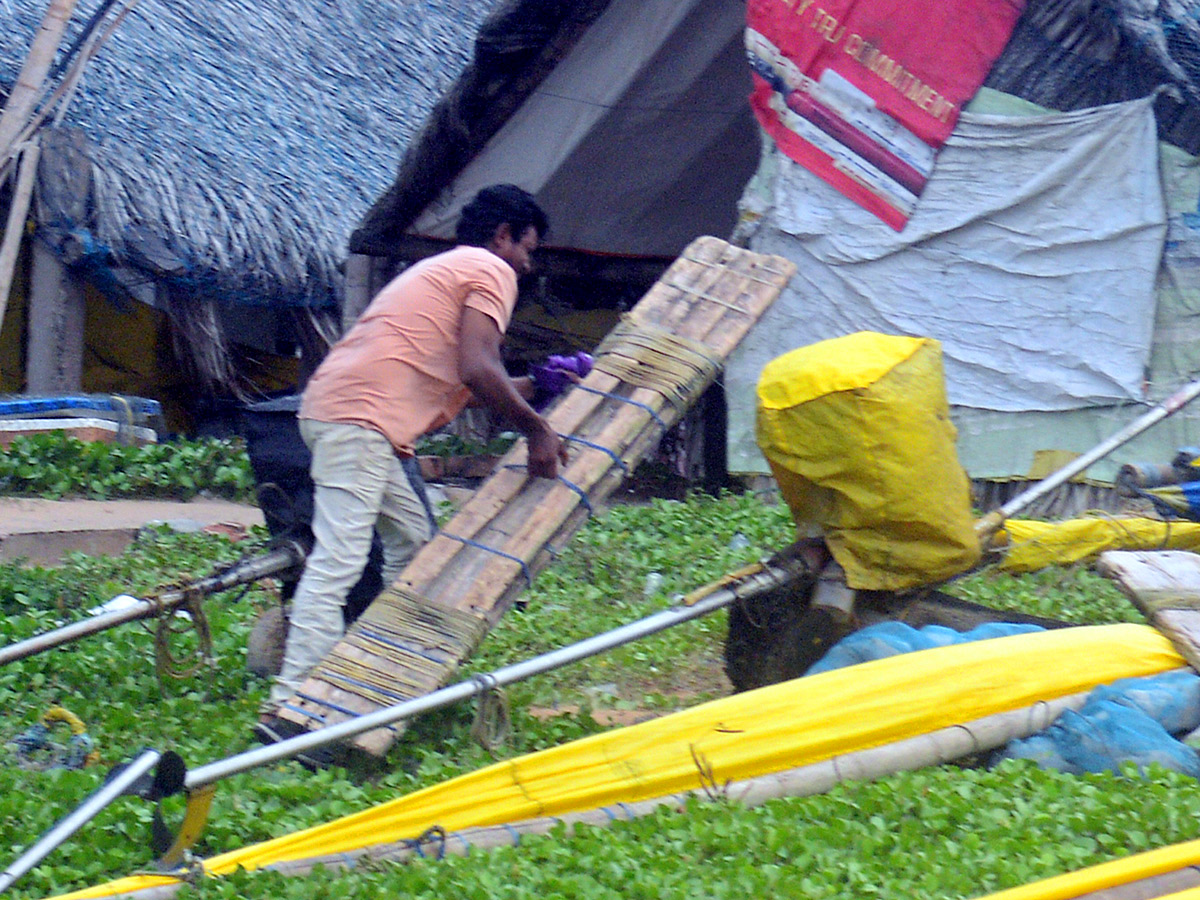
858, 436
1030, 545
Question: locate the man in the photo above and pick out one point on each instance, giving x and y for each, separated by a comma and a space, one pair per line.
424, 347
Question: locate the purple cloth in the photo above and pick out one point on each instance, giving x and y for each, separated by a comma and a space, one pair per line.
551, 378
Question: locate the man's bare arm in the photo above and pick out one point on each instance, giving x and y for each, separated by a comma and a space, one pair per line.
482, 371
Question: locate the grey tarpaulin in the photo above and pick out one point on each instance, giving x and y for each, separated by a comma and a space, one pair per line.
1039, 240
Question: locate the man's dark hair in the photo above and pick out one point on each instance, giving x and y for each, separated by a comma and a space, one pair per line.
495, 205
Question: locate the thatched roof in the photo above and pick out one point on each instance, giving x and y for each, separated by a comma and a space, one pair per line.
230, 146
1064, 54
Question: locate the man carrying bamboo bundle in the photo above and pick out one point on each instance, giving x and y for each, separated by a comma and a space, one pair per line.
426, 345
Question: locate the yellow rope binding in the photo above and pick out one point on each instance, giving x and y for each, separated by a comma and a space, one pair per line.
415, 636
650, 357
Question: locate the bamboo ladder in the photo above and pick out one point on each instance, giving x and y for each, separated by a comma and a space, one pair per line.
648, 372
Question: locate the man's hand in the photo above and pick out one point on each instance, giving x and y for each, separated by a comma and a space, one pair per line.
546, 452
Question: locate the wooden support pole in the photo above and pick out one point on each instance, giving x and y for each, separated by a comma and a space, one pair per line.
358, 289
33, 74
56, 318
14, 229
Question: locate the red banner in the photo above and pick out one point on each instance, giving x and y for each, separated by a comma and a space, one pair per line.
864, 92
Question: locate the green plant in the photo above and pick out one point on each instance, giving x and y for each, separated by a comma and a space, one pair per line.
944, 832
56, 465
447, 444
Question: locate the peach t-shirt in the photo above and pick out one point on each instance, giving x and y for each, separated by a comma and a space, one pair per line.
396, 370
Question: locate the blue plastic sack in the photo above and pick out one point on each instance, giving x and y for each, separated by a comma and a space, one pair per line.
1105, 733
892, 638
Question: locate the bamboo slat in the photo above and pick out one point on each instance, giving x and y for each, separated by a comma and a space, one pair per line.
649, 371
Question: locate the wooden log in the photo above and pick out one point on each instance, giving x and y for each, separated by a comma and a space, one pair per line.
647, 374
1165, 586
55, 323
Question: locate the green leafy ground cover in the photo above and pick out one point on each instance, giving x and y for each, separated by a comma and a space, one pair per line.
945, 832
55, 465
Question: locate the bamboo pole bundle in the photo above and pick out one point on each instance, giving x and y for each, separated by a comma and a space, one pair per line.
14, 229
27, 108
28, 86
13, 118
647, 373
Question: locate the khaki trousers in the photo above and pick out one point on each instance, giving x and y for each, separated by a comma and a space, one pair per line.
361, 488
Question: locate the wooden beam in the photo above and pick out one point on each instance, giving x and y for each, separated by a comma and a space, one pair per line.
558, 262
1165, 586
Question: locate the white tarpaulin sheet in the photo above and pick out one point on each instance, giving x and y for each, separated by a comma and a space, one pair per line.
1031, 257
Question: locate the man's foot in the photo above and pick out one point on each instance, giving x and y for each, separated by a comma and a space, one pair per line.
272, 729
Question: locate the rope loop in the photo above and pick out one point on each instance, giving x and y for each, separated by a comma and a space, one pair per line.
493, 719
498, 552
36, 751
608, 395
608, 451
429, 835
583, 497
191, 613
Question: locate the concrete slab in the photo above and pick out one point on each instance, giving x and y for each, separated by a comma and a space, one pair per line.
41, 532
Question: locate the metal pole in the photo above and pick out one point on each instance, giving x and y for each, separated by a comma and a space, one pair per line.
106, 794
993, 521
768, 576
278, 560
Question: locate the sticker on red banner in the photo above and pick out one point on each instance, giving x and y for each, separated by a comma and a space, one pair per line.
863, 93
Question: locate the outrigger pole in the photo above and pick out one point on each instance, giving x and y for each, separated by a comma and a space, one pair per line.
129, 778
284, 557
987, 526
199, 784
783, 568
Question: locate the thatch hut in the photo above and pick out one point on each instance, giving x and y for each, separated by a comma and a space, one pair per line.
194, 199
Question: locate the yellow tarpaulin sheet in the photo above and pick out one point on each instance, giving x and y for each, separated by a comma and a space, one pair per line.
857, 433
755, 733
1030, 545
1087, 882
